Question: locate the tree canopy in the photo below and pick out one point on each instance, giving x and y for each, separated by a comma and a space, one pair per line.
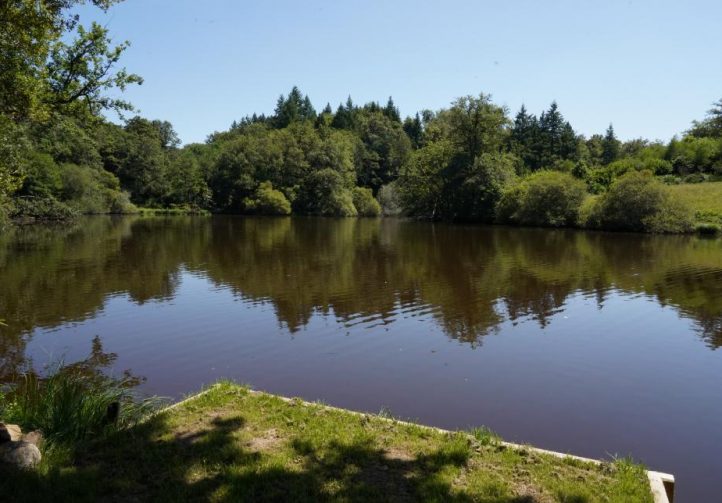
60, 153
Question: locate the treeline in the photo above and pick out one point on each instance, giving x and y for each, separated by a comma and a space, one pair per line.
471, 161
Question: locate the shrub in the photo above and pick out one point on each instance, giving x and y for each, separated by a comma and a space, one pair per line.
660, 167
267, 201
670, 180
325, 193
601, 178
31, 209
364, 202
580, 170
81, 189
694, 178
545, 198
119, 203
90, 190
639, 202
564, 165
587, 211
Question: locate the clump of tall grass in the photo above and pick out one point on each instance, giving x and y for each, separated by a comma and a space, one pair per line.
70, 405
485, 436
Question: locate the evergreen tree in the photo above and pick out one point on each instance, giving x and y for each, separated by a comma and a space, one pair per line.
610, 146
344, 117
391, 111
524, 139
325, 117
551, 125
569, 143
372, 106
279, 111
307, 110
293, 108
414, 130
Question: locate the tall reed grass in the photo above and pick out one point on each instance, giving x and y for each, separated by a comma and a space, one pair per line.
70, 405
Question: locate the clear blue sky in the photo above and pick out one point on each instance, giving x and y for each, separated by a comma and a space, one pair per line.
650, 67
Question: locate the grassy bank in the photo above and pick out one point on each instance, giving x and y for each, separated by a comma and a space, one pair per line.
233, 445
704, 198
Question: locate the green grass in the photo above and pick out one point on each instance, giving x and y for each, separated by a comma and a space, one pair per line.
704, 198
233, 445
71, 405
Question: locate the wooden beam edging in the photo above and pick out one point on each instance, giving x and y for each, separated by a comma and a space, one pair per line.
661, 484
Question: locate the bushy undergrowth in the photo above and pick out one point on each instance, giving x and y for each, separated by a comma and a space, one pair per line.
364, 202
637, 201
268, 201
545, 198
33, 209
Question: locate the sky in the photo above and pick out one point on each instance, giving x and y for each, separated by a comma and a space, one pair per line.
648, 67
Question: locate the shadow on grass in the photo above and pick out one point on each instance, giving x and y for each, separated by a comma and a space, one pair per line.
150, 464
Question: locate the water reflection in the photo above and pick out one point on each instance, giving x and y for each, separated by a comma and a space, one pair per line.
470, 279
371, 313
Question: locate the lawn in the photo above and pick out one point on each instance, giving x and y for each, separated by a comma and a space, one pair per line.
231, 444
704, 198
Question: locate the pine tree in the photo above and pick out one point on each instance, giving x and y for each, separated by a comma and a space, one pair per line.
391, 111
524, 140
414, 130
610, 146
569, 143
551, 125
279, 110
372, 107
295, 107
342, 118
325, 117
307, 110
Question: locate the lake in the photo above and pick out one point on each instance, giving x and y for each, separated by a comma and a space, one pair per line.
597, 344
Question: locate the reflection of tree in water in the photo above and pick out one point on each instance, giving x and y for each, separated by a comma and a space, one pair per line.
469, 279
702, 290
97, 363
95, 366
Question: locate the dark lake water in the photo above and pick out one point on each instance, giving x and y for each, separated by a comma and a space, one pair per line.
591, 343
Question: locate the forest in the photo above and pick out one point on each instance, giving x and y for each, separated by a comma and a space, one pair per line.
62, 156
